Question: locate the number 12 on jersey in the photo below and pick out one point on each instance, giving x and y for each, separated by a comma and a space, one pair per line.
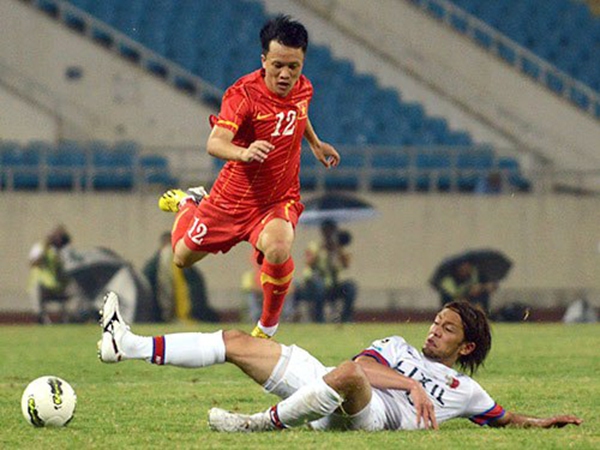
285, 121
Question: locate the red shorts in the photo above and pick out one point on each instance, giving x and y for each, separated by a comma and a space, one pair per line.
214, 229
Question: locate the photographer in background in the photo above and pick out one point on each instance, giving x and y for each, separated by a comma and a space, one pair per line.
48, 281
324, 279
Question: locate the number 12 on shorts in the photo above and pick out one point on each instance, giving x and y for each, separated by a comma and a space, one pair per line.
197, 231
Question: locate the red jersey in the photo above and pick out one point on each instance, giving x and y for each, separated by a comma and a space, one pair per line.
252, 112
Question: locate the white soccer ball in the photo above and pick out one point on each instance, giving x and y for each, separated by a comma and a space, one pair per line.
48, 401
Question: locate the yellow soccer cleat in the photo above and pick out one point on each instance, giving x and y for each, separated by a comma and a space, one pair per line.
169, 201
172, 199
258, 333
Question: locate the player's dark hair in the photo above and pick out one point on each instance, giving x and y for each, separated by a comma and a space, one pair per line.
286, 31
477, 330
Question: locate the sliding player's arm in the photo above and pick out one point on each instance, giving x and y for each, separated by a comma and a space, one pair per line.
383, 377
523, 421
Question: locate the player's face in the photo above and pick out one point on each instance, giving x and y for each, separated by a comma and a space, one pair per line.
445, 341
283, 67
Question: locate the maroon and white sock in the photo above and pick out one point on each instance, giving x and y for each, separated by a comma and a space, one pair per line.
188, 349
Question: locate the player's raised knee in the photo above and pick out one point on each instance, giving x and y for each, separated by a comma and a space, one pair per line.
278, 252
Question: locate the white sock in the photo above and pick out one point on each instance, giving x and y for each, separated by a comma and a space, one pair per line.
310, 402
136, 347
179, 349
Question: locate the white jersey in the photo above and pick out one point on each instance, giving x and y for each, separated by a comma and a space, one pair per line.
453, 394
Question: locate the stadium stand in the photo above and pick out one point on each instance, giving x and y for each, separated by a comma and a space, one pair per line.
71, 165
553, 41
208, 40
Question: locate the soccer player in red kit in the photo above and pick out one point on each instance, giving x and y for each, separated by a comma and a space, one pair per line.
256, 197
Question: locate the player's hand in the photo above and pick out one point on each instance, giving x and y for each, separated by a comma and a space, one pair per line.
257, 151
559, 421
424, 407
326, 154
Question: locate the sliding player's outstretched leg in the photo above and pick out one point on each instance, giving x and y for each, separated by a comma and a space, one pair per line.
190, 350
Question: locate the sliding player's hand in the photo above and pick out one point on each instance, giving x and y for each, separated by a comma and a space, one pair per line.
424, 408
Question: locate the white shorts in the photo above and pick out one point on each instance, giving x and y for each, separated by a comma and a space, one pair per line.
296, 368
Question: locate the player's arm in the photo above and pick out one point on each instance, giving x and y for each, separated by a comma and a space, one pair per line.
220, 145
383, 377
324, 152
523, 421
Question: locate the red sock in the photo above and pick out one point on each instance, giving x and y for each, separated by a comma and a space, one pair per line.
275, 280
182, 222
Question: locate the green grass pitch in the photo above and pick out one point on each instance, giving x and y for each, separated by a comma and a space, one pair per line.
537, 369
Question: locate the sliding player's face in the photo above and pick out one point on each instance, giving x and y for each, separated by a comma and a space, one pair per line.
283, 67
445, 341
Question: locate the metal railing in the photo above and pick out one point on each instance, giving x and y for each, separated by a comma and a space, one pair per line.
121, 44
446, 170
566, 86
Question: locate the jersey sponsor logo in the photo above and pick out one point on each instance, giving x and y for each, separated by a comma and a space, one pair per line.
260, 116
432, 388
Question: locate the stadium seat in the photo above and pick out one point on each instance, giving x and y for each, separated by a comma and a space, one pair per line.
433, 170
155, 170
67, 165
113, 168
22, 165
471, 165
563, 33
210, 39
346, 175
391, 171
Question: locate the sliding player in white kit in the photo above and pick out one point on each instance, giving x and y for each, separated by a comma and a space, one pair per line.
388, 386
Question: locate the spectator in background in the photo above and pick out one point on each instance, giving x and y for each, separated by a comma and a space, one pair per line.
465, 283
324, 279
179, 294
48, 281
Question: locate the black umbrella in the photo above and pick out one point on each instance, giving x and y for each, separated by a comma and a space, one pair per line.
336, 207
99, 270
492, 265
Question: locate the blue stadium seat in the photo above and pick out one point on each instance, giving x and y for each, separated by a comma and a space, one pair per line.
50, 7
105, 12
342, 179
155, 170
75, 20
434, 170
392, 171
562, 32
22, 164
67, 165
113, 167
471, 165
